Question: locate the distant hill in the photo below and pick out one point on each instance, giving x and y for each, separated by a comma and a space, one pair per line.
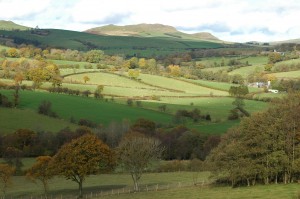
150, 30
167, 43
9, 25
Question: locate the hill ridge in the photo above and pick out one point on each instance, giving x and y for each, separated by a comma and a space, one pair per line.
149, 30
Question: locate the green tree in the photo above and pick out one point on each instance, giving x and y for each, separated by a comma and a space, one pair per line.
94, 56
82, 157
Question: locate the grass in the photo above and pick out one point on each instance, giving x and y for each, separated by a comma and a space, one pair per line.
147, 46
259, 191
256, 60
97, 111
107, 79
22, 187
247, 70
175, 84
215, 128
288, 75
219, 85
217, 107
13, 119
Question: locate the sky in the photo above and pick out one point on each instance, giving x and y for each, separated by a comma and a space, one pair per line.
229, 20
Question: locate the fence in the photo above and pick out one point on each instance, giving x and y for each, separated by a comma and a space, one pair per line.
125, 190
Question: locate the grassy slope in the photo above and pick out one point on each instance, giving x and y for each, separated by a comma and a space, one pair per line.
107, 182
287, 75
9, 25
259, 192
13, 119
218, 107
171, 83
98, 183
79, 107
113, 44
150, 30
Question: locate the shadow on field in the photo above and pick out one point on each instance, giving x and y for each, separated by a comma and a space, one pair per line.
86, 190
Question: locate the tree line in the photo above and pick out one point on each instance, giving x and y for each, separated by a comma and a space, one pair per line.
264, 148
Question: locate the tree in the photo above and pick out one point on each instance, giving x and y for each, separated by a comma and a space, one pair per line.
98, 91
86, 78
174, 70
81, 157
136, 152
12, 52
13, 157
133, 73
94, 56
142, 63
45, 108
238, 91
6, 171
41, 170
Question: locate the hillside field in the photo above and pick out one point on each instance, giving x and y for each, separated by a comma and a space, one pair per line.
147, 46
13, 119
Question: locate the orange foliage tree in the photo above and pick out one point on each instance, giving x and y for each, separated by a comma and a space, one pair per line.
81, 157
41, 170
6, 171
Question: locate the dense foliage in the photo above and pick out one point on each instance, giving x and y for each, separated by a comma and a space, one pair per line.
263, 148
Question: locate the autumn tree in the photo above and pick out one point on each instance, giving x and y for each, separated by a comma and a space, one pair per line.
6, 172
136, 152
142, 63
174, 70
265, 147
133, 73
98, 92
12, 52
82, 157
41, 170
86, 78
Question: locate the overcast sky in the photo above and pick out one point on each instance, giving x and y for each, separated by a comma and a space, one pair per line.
230, 20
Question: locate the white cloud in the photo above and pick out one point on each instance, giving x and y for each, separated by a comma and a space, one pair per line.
233, 20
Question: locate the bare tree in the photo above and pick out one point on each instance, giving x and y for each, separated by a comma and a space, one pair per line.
136, 152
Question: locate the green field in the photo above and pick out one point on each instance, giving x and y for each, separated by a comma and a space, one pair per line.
220, 85
173, 185
259, 191
217, 107
183, 86
98, 111
246, 70
147, 46
13, 119
96, 183
288, 75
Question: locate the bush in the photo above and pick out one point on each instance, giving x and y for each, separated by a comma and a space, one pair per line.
45, 109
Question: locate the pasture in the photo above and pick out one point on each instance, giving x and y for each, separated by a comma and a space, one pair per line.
13, 119
58, 187
98, 111
280, 191
144, 46
176, 185
287, 75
